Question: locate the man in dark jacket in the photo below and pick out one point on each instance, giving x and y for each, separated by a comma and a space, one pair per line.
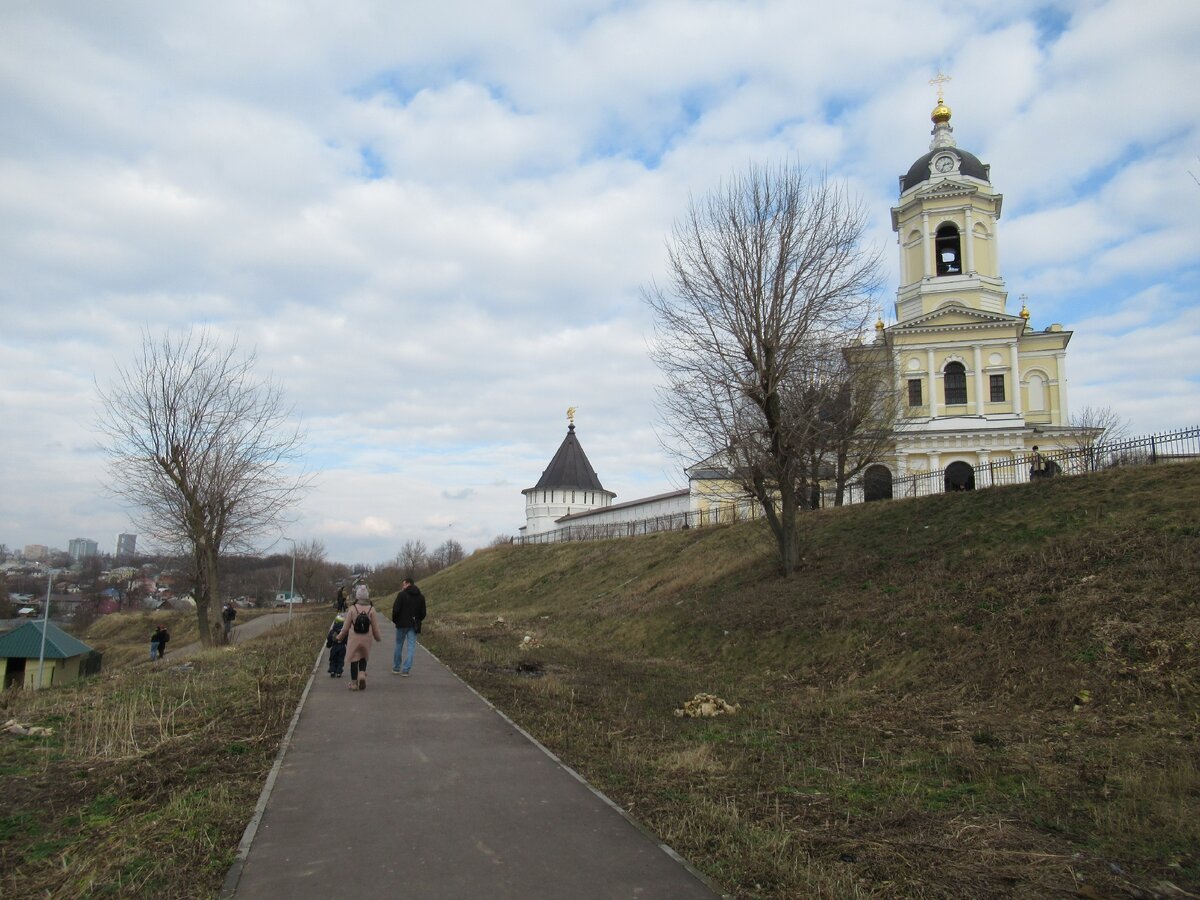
408, 611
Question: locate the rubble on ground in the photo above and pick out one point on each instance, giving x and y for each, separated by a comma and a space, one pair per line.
705, 706
12, 726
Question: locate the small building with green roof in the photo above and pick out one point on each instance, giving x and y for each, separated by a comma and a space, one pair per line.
66, 658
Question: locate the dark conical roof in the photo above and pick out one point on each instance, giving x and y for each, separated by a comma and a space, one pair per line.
570, 468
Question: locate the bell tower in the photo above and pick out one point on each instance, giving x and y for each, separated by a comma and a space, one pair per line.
946, 225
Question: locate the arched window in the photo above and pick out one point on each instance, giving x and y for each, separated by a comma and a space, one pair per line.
1037, 393
948, 249
956, 383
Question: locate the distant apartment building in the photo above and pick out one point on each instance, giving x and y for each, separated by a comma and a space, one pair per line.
126, 544
82, 548
36, 551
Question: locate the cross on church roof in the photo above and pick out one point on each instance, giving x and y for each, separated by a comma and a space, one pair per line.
939, 80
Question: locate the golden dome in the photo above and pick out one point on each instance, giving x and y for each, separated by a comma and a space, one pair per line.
941, 113
1024, 313
879, 326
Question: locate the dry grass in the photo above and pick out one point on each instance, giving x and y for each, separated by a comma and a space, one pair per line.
986, 695
152, 772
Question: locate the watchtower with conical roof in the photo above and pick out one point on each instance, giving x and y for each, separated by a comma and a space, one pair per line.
568, 485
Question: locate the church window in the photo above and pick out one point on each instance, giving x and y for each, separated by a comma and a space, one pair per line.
1037, 393
956, 384
948, 249
997, 385
572, 496
914, 392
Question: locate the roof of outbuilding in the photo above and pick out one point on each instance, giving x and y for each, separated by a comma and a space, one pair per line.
569, 468
26, 642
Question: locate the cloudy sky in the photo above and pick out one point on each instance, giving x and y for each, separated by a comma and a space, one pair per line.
432, 220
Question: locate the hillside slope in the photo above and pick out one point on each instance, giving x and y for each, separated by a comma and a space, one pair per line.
983, 694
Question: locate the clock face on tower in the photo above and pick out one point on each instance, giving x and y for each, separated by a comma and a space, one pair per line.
943, 163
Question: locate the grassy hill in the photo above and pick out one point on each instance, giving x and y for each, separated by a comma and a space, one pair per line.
974, 694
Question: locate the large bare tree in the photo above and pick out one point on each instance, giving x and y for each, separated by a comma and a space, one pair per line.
768, 280
206, 452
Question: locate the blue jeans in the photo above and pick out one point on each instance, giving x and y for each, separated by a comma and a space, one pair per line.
406, 645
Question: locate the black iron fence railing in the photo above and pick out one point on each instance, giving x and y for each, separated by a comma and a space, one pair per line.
1168, 447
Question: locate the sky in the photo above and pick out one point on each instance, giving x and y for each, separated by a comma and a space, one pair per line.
433, 222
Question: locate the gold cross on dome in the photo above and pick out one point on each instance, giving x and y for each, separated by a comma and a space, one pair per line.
938, 82
571, 414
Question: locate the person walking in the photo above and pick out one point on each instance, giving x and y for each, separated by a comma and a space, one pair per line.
360, 627
408, 611
228, 614
158, 642
337, 647
340, 600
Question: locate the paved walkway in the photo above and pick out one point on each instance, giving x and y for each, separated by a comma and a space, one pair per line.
418, 788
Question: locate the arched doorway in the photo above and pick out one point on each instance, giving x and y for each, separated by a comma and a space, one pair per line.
960, 476
877, 483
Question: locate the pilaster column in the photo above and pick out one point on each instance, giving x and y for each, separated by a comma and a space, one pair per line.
934, 383
1016, 376
969, 241
927, 245
1061, 359
979, 376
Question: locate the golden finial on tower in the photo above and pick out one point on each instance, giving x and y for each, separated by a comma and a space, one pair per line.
1024, 313
941, 112
571, 414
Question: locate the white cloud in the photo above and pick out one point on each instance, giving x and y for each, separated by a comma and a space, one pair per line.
432, 220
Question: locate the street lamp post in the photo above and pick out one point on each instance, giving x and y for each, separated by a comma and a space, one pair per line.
45, 625
292, 589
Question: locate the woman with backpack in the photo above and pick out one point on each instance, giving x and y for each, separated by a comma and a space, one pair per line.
360, 627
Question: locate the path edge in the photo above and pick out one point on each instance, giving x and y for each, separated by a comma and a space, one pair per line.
662, 845
234, 875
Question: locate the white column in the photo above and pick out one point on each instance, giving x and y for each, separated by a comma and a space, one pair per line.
969, 242
927, 245
1061, 359
901, 463
1016, 377
933, 384
979, 376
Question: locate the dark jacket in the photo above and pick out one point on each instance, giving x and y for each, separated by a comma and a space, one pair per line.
409, 609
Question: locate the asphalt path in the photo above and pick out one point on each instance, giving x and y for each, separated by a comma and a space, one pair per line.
419, 788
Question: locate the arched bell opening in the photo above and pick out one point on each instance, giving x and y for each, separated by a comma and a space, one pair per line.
948, 250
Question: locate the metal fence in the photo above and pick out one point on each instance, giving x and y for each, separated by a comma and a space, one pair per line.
1174, 446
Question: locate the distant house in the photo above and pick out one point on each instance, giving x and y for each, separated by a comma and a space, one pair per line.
66, 658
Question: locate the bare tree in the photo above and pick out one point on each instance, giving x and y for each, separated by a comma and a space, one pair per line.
1101, 427
446, 554
312, 570
413, 558
768, 279
203, 450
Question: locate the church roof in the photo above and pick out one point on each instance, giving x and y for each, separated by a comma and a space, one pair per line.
943, 142
569, 468
26, 642
968, 164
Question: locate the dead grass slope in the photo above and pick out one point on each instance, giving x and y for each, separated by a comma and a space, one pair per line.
985, 694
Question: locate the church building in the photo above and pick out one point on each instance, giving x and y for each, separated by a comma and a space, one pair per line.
977, 383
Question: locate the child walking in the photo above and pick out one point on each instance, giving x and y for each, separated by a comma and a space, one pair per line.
337, 647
